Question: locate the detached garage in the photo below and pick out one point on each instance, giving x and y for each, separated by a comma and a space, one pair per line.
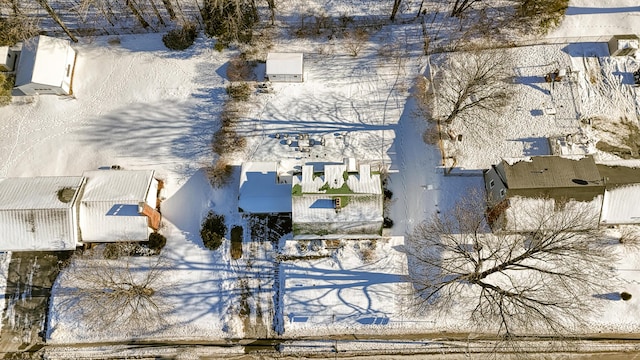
39, 213
46, 66
285, 67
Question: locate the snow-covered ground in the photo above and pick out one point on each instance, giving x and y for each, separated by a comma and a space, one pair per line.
140, 106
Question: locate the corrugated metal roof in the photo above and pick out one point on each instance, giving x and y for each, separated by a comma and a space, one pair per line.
284, 63
313, 208
620, 205
36, 192
362, 183
36, 215
552, 172
100, 223
117, 185
108, 209
38, 229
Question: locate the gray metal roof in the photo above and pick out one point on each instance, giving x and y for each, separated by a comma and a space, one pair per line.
540, 172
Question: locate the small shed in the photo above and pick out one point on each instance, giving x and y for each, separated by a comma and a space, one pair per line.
46, 66
285, 67
39, 213
8, 58
623, 45
119, 205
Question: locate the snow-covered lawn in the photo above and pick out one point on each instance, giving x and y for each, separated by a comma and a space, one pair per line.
141, 106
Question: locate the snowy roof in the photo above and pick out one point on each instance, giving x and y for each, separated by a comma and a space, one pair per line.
109, 208
38, 213
117, 185
37, 192
43, 61
620, 205
316, 201
284, 63
261, 191
551, 172
334, 177
319, 208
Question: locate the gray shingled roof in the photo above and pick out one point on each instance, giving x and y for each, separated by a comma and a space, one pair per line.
552, 172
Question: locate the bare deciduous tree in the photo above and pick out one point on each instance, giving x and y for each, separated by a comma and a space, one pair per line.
114, 293
355, 41
45, 5
460, 6
272, 11
394, 10
16, 28
539, 281
472, 82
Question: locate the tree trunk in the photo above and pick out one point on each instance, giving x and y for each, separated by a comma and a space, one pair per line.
57, 19
394, 11
170, 10
460, 6
272, 9
15, 6
137, 14
155, 10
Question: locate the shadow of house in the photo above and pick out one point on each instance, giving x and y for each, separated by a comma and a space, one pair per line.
46, 66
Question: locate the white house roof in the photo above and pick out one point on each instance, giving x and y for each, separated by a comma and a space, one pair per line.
284, 63
43, 61
260, 190
39, 213
313, 205
109, 207
36, 192
117, 185
311, 208
620, 205
361, 183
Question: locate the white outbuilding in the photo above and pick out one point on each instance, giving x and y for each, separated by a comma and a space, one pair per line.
46, 66
8, 58
39, 213
119, 205
285, 67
